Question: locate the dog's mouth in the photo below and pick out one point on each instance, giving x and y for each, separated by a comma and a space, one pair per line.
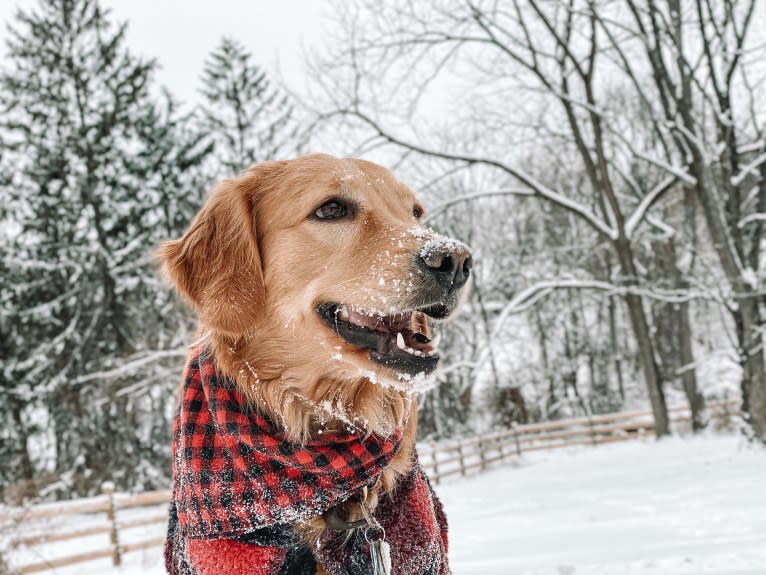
401, 341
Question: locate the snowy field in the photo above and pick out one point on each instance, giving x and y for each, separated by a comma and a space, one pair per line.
677, 507
681, 506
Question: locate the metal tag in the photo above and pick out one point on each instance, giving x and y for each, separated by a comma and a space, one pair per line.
380, 553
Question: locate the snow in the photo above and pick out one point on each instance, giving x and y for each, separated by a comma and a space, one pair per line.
681, 506
750, 168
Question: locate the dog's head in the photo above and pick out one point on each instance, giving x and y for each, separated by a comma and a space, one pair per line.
318, 269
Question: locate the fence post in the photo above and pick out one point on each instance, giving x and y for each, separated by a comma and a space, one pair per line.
435, 462
461, 456
108, 490
592, 432
482, 455
515, 428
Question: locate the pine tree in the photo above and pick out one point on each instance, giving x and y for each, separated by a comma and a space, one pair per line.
176, 149
98, 170
251, 119
14, 447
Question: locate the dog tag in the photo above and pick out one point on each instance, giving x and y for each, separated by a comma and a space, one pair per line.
380, 553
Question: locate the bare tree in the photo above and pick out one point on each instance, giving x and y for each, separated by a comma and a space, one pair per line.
554, 52
707, 116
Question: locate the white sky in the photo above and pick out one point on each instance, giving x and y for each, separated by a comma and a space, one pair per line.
180, 34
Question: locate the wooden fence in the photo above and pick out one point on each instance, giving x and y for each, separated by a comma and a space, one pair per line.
440, 460
465, 455
109, 504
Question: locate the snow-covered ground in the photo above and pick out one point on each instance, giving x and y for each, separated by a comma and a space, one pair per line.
679, 506
675, 507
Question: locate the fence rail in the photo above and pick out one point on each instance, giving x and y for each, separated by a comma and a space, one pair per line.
108, 507
440, 460
465, 455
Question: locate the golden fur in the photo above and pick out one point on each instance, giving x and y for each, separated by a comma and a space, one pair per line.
255, 266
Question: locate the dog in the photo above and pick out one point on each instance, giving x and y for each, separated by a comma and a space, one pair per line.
317, 288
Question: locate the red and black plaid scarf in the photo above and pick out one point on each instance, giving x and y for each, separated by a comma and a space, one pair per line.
239, 486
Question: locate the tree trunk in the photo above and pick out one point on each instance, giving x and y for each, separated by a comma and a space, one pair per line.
26, 470
649, 367
748, 320
688, 372
746, 314
615, 347
487, 335
673, 332
548, 375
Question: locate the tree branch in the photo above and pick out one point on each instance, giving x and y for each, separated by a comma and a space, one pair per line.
538, 188
647, 202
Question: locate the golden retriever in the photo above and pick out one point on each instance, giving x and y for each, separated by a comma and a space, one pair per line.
316, 285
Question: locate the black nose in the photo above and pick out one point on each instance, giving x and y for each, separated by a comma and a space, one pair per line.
449, 262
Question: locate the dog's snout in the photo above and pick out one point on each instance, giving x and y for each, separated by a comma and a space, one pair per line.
449, 262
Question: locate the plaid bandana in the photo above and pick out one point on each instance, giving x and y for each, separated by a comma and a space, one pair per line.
239, 486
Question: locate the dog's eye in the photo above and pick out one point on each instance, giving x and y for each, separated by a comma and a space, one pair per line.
331, 210
417, 211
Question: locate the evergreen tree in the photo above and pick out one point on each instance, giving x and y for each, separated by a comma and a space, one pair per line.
14, 449
176, 148
251, 119
98, 168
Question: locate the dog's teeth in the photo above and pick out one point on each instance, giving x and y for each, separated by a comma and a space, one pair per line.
400, 341
342, 313
404, 347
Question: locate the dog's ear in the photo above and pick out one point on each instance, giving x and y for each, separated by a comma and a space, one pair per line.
216, 265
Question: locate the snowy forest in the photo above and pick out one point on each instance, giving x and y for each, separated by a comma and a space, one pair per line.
604, 159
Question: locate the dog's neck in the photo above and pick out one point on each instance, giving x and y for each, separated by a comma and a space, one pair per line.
305, 404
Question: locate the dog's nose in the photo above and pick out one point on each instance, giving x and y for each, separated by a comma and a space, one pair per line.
448, 261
